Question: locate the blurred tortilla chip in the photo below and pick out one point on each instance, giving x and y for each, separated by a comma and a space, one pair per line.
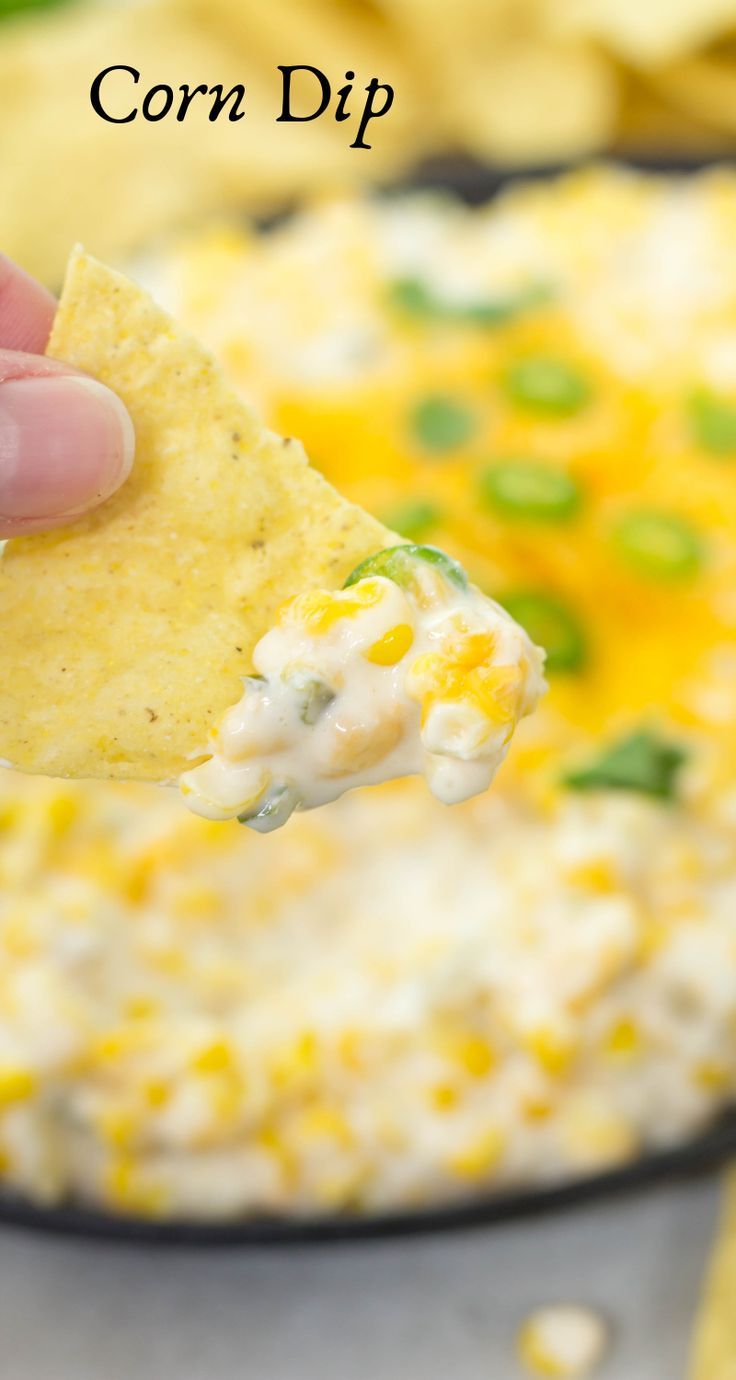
126, 635
714, 1347
702, 87
530, 99
646, 33
66, 174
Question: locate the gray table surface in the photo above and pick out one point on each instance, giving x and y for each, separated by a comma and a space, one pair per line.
434, 1307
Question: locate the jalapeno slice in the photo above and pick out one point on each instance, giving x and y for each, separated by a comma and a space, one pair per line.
439, 423
640, 762
658, 545
713, 423
541, 383
529, 490
551, 624
397, 563
314, 698
279, 804
415, 298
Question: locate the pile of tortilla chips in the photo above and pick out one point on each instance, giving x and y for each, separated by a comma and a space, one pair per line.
513, 81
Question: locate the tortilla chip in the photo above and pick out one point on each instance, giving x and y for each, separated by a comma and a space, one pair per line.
528, 99
645, 34
125, 636
714, 1348
704, 87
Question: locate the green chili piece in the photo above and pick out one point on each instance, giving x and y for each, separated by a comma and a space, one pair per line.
713, 423
278, 805
528, 489
641, 762
546, 385
397, 563
314, 698
439, 422
414, 297
8, 7
551, 624
414, 518
659, 545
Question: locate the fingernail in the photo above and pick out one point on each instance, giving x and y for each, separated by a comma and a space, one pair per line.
66, 444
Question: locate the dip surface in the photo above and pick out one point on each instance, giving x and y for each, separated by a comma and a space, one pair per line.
390, 1003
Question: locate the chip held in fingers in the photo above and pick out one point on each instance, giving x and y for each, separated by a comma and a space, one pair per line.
131, 637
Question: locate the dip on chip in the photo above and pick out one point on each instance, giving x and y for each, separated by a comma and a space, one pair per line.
127, 635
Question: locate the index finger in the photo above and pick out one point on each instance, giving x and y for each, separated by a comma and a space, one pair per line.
26, 310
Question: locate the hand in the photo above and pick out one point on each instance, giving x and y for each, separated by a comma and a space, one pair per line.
66, 441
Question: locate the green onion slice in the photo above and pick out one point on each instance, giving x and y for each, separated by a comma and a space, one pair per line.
397, 563
415, 298
528, 489
641, 762
551, 624
713, 423
659, 545
439, 422
540, 383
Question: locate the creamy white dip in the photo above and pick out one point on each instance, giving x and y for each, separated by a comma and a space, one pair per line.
407, 671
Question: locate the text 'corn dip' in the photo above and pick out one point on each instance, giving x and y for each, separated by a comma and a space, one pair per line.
390, 1003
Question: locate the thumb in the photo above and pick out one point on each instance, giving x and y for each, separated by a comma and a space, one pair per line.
66, 444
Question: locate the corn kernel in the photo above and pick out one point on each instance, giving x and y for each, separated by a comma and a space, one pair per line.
553, 1049
270, 1140
128, 1189
63, 810
480, 1155
391, 647
562, 1341
713, 1075
156, 1093
475, 1055
444, 1097
142, 1008
349, 1049
323, 1122
296, 1062
623, 1040
214, 1057
118, 1125
16, 1084
596, 874
198, 903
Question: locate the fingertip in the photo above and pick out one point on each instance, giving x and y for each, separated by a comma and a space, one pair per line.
66, 445
26, 309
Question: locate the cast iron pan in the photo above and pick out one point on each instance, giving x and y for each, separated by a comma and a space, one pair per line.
473, 183
704, 1153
